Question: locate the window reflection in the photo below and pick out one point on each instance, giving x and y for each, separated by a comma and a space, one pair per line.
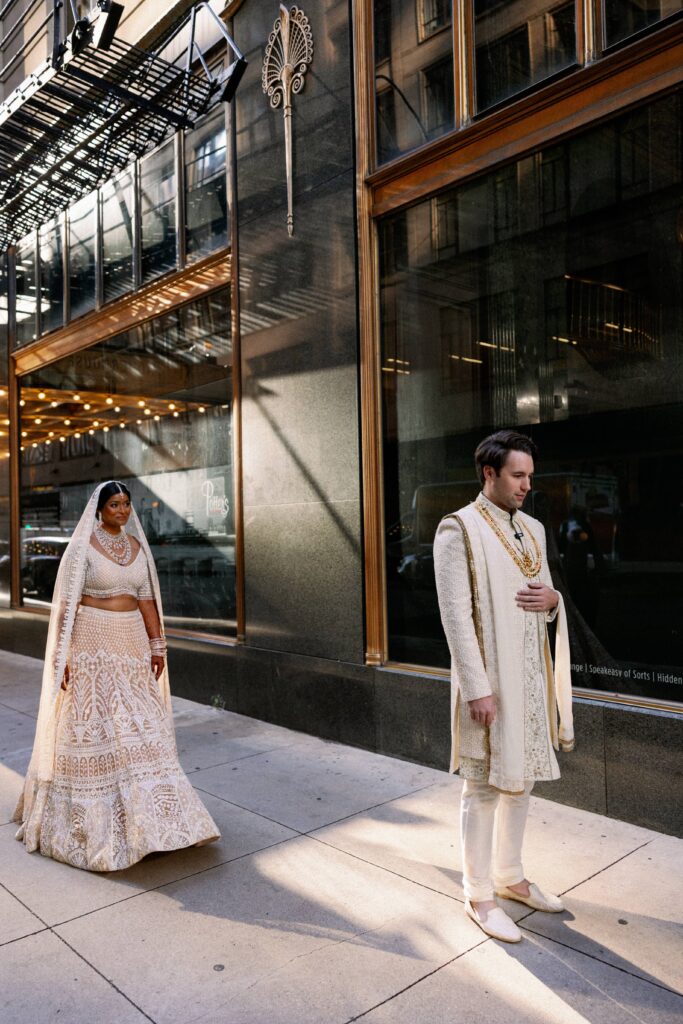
82, 263
4, 307
51, 276
4, 438
413, 73
517, 46
206, 211
152, 407
623, 18
118, 232
157, 212
26, 290
545, 295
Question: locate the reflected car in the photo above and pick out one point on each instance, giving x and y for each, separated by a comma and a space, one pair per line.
40, 558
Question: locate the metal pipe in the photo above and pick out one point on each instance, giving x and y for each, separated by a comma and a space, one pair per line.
19, 24
21, 53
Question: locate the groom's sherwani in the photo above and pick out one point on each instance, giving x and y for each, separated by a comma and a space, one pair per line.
497, 648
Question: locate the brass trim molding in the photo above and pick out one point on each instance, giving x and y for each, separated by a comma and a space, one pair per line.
120, 315
14, 489
208, 638
370, 376
585, 96
611, 697
236, 331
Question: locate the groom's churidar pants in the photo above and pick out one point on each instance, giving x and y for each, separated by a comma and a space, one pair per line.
483, 807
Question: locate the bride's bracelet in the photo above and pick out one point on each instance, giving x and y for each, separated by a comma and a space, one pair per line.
157, 646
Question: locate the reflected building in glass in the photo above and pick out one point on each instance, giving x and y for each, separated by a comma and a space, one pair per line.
488, 233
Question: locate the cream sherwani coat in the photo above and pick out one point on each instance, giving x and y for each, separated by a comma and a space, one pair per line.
488, 636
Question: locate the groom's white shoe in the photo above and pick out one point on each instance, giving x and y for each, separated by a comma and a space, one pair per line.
494, 922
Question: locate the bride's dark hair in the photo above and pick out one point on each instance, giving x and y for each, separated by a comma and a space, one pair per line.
109, 490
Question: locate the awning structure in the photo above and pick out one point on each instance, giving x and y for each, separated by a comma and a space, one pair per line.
88, 112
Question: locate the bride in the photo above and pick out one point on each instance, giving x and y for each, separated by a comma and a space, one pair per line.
104, 787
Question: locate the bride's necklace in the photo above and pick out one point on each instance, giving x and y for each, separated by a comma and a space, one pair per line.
117, 545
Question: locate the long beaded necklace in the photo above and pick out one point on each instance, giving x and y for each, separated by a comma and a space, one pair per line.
117, 546
528, 565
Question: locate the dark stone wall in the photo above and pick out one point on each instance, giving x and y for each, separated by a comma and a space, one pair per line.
299, 350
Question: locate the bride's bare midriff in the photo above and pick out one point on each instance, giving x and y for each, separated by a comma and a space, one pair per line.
122, 603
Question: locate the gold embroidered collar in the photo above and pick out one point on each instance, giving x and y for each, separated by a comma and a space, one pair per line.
529, 564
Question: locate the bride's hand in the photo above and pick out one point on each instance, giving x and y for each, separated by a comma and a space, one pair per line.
65, 680
157, 665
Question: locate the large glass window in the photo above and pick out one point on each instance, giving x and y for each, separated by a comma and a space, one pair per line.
546, 295
413, 74
4, 436
157, 212
51, 276
82, 262
151, 407
517, 47
26, 307
623, 18
118, 235
206, 207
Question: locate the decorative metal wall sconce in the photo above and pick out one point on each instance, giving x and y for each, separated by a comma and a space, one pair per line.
288, 54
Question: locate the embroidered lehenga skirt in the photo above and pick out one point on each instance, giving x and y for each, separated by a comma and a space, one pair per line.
118, 792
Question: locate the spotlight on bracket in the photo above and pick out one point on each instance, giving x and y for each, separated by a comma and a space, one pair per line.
98, 28
108, 15
229, 79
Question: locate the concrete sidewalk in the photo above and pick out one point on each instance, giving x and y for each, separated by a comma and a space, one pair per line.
335, 895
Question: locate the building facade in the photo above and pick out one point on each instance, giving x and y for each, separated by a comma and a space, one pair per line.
486, 230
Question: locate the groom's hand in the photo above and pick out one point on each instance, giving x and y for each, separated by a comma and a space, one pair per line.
483, 710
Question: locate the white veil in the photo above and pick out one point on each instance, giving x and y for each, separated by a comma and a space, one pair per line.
65, 601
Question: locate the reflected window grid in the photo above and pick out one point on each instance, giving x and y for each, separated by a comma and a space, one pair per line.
26, 284
432, 16
626, 18
110, 231
158, 212
118, 235
51, 270
437, 97
82, 243
206, 212
515, 49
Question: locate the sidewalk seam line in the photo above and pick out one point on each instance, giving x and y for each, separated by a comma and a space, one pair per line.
38, 931
172, 881
51, 930
17, 711
607, 867
234, 760
416, 982
390, 871
327, 824
104, 977
606, 963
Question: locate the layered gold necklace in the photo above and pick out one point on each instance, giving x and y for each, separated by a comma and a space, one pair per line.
529, 565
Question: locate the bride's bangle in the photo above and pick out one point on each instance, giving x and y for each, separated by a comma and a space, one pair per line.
157, 646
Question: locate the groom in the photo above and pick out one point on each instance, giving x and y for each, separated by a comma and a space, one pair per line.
495, 598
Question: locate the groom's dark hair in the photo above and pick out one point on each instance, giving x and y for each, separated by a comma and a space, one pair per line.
494, 449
